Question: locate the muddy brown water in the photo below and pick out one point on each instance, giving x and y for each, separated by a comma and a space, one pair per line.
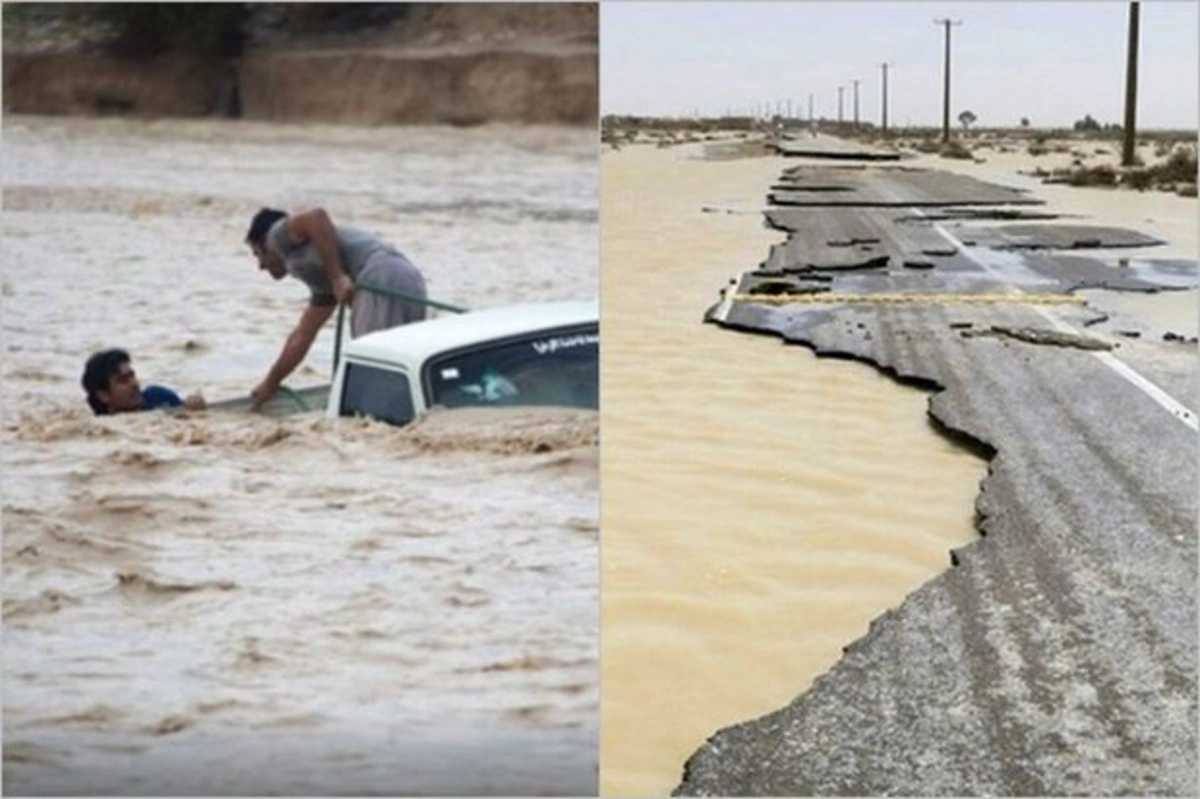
231, 604
761, 505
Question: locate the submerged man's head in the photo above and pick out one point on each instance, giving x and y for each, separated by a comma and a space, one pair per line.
111, 384
256, 237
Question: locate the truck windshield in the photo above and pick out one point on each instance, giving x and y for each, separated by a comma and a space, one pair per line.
557, 367
379, 393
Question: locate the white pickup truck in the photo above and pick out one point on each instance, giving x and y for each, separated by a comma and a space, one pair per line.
536, 354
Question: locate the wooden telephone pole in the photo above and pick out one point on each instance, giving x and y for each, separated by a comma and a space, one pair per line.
1129, 151
884, 125
946, 90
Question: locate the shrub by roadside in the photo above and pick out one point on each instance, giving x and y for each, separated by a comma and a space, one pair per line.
1177, 174
955, 149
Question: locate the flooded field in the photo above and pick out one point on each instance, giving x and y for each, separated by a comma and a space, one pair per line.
761, 505
232, 604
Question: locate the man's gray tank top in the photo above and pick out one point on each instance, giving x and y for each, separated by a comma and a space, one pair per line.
303, 261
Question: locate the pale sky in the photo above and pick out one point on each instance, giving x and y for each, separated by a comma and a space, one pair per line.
1053, 62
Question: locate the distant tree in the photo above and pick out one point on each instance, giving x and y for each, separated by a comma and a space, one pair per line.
1087, 123
967, 119
1025, 122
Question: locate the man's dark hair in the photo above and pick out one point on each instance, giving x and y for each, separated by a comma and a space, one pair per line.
261, 223
99, 370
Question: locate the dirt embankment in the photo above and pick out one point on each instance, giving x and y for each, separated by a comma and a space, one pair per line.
437, 65
456, 86
79, 82
466, 86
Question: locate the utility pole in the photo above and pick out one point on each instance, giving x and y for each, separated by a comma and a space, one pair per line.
1129, 152
946, 90
810, 111
789, 114
885, 66
855, 104
840, 89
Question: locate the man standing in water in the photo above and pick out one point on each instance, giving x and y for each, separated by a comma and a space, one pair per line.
112, 387
332, 260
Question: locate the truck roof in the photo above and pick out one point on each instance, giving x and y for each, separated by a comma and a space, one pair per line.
421, 340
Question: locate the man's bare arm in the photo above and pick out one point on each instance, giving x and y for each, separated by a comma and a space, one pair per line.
298, 343
315, 225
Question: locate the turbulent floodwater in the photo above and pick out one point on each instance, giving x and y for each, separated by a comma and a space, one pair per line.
234, 604
761, 505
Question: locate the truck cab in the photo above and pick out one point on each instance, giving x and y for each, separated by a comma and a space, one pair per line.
535, 354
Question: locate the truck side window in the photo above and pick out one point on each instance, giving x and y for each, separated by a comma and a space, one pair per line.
554, 367
379, 393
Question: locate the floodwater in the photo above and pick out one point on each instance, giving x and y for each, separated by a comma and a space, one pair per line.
220, 603
761, 505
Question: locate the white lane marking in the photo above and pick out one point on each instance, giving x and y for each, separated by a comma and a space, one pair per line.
1172, 405
1154, 392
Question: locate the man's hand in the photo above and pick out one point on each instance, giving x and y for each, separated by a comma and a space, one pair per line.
195, 402
261, 394
343, 289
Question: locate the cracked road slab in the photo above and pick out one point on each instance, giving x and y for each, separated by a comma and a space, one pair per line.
832, 239
1057, 654
1055, 237
884, 186
821, 146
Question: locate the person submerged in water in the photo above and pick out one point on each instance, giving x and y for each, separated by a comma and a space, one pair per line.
112, 387
333, 261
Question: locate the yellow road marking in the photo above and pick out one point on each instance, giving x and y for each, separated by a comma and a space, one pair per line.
831, 298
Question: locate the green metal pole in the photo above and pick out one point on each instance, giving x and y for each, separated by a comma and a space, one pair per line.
395, 294
400, 295
337, 339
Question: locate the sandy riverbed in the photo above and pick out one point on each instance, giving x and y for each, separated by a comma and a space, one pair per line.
235, 604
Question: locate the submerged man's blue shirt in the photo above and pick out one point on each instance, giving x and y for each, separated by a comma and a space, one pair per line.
159, 397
